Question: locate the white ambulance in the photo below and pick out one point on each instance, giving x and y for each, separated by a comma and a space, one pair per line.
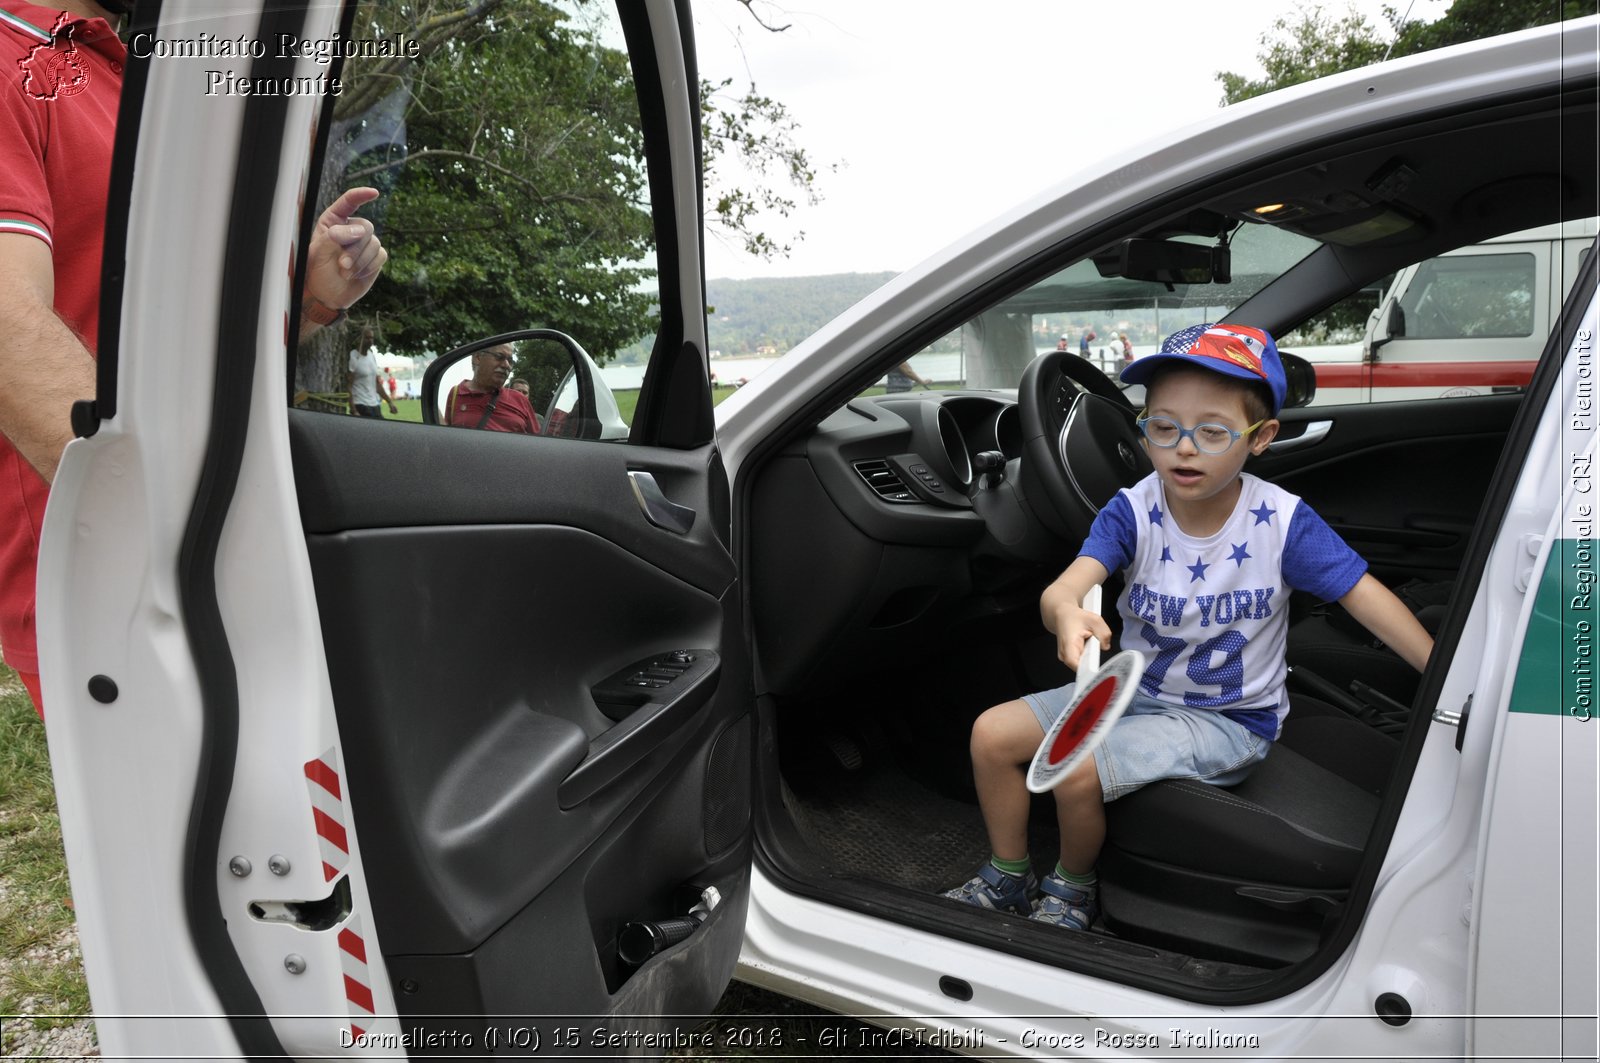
694, 705
1469, 322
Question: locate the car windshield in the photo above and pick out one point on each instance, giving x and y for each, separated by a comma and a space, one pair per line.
1109, 320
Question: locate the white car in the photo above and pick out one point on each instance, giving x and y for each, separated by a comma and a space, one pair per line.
537, 754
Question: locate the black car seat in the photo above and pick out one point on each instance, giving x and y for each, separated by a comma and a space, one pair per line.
1250, 873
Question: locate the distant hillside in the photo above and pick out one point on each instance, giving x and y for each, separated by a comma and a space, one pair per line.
779, 312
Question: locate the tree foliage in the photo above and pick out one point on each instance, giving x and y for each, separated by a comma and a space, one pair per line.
758, 131
1307, 45
1314, 42
509, 153
515, 195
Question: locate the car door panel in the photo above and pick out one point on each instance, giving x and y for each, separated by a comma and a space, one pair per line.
525, 811
1436, 455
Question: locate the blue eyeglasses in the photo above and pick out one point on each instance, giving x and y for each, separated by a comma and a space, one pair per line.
1166, 433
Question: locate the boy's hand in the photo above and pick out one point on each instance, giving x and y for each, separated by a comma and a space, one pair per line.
1074, 627
1061, 609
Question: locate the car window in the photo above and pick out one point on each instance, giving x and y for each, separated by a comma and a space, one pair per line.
1107, 320
510, 164
1473, 295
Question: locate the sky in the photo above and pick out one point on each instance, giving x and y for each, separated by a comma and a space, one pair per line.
941, 114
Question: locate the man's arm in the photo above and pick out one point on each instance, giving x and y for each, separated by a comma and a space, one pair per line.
1387, 617
44, 367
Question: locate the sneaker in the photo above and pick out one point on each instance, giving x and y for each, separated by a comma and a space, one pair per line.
1063, 904
993, 888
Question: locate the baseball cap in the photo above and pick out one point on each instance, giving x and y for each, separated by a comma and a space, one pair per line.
1239, 351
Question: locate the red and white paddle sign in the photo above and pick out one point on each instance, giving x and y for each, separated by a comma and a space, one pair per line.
1101, 698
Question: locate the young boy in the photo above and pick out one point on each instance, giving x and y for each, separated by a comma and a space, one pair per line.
1210, 555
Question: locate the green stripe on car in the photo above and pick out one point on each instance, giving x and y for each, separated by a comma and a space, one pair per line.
1556, 673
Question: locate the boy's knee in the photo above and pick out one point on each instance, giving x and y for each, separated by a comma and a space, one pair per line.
1006, 732
984, 733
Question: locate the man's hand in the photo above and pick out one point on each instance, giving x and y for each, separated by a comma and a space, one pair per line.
345, 256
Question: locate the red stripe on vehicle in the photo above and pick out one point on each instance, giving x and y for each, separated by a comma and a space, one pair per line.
1343, 375
1453, 374
324, 776
357, 1031
353, 944
1425, 374
358, 994
330, 829
329, 871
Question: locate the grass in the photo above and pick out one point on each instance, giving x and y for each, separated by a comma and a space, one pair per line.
41, 975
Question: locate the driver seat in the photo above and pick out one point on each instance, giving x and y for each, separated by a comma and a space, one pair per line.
1254, 872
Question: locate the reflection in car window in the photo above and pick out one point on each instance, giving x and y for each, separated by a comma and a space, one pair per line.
492, 208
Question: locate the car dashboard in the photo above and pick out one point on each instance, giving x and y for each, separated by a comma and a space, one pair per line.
865, 534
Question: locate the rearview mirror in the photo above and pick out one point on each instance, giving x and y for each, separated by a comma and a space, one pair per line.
1167, 262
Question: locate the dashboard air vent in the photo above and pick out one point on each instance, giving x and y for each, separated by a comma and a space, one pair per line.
884, 481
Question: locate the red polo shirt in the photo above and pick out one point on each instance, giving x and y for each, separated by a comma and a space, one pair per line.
512, 411
60, 79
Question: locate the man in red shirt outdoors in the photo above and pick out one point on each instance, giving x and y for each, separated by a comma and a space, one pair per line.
486, 402
60, 79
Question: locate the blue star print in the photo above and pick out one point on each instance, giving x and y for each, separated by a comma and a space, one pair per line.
1239, 553
1264, 514
1197, 570
1155, 514
1166, 555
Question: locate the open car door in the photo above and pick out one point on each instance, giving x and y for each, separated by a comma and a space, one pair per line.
381, 734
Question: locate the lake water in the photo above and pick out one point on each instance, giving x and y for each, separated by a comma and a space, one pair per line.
937, 367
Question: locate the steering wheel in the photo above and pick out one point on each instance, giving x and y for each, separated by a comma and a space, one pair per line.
1080, 443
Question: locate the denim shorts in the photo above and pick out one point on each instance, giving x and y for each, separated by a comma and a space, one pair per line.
1154, 740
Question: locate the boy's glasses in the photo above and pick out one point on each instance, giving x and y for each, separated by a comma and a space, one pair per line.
1166, 433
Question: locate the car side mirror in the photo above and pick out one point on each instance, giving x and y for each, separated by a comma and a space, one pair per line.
1397, 320
562, 383
1302, 380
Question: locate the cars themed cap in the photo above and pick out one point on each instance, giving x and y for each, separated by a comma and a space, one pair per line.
1232, 350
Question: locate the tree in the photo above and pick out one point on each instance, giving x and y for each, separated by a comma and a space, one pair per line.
1471, 20
509, 153
1312, 43
1308, 45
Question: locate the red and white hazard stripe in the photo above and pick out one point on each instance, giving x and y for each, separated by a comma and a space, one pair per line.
357, 978
327, 811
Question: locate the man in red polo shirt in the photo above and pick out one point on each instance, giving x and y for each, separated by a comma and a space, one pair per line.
60, 79
485, 401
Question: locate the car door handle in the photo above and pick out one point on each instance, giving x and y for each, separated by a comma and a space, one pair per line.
1314, 432
659, 510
